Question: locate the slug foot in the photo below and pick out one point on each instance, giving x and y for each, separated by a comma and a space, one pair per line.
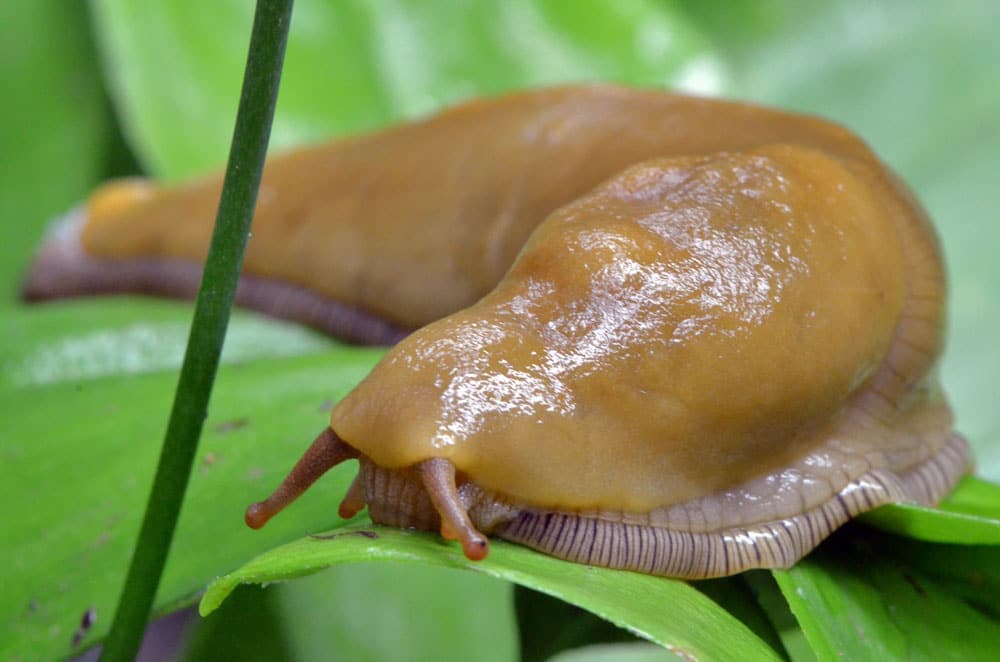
676, 552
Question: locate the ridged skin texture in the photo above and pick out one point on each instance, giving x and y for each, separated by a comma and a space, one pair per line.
655, 332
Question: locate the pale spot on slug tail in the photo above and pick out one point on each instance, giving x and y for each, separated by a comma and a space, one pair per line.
69, 225
144, 348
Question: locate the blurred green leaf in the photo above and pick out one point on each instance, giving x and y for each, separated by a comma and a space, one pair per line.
356, 65
395, 611
380, 611
547, 625
735, 595
630, 652
55, 143
77, 459
855, 601
773, 603
53, 123
970, 572
919, 82
248, 628
667, 612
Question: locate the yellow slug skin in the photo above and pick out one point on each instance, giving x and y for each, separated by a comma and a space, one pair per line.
421, 220
689, 325
705, 326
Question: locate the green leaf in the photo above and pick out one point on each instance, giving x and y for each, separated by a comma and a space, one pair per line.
970, 572
630, 652
919, 83
368, 611
854, 600
78, 456
735, 595
973, 496
54, 124
355, 65
547, 625
695, 626
248, 628
390, 611
969, 516
770, 599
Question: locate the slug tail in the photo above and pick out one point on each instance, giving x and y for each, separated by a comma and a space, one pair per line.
63, 269
326, 452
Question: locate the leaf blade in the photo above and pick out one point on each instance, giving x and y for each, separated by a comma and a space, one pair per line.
628, 599
854, 599
968, 516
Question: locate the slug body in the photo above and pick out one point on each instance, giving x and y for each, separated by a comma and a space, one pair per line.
672, 335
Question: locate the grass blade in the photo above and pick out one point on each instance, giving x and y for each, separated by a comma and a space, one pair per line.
208, 329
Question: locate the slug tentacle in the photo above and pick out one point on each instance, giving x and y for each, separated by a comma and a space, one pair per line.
439, 480
354, 499
327, 451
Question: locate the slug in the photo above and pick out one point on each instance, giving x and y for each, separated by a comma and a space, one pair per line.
634, 329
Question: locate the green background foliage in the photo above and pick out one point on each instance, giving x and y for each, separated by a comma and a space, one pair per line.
86, 385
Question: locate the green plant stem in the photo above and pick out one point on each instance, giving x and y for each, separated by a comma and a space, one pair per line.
211, 316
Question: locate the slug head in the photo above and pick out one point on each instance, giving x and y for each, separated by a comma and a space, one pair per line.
328, 450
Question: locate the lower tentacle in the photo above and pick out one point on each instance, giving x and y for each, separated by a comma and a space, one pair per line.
354, 500
438, 476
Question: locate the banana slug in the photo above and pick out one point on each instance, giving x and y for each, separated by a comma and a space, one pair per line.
678, 336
